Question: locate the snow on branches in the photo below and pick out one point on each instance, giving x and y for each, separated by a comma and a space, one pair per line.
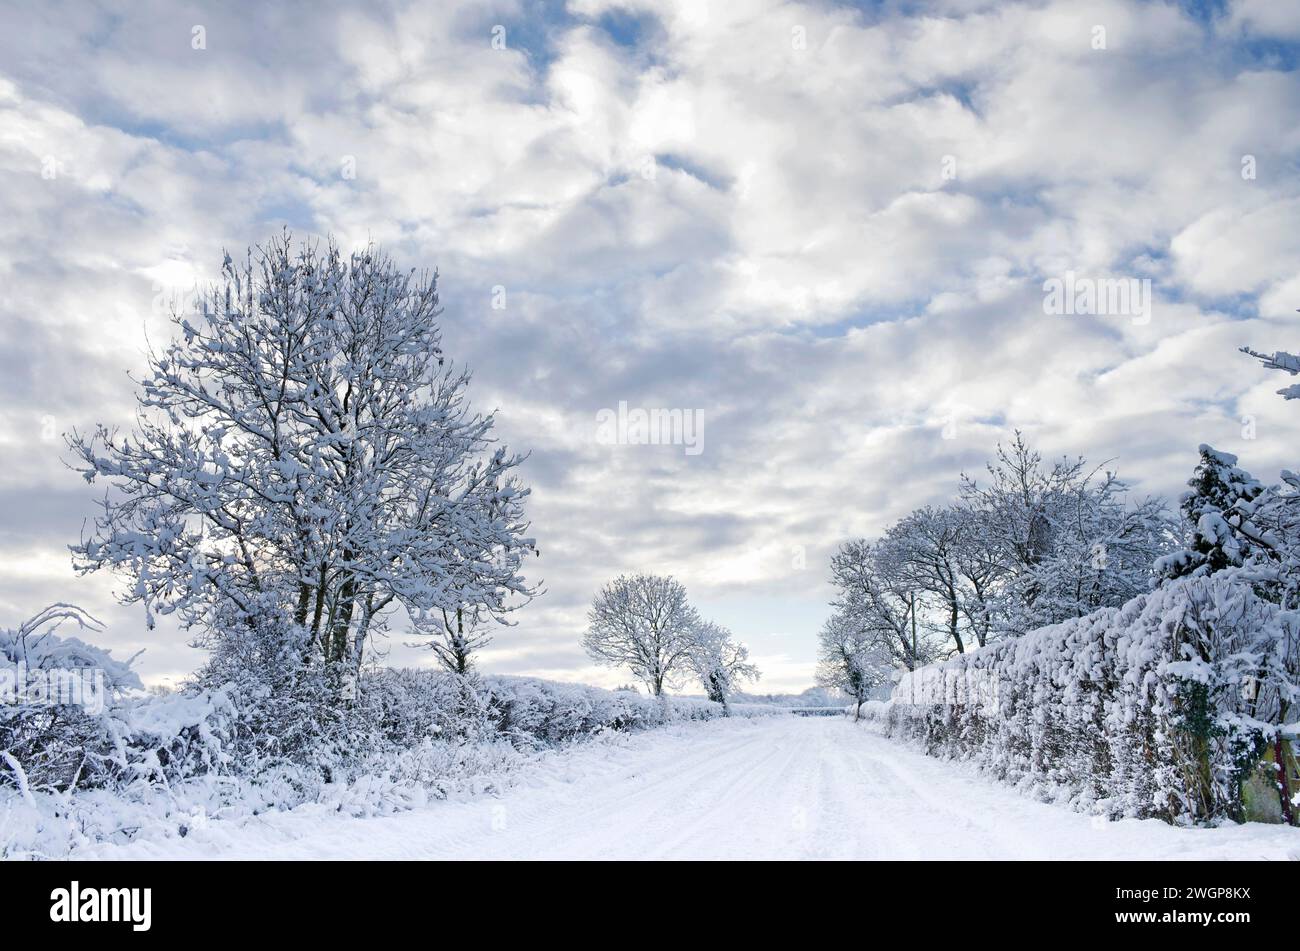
719, 661
1279, 360
1065, 536
305, 449
1031, 544
646, 624
852, 659
1219, 510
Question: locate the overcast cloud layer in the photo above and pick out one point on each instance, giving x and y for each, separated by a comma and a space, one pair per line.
824, 227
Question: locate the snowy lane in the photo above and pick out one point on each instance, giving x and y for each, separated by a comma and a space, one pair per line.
776, 787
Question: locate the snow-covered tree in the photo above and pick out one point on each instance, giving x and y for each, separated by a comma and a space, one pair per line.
852, 658
872, 591
925, 545
1070, 539
1218, 510
945, 558
719, 661
980, 572
646, 624
305, 449
1269, 523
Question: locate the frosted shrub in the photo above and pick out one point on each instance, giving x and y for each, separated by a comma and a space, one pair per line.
53, 693
281, 720
543, 712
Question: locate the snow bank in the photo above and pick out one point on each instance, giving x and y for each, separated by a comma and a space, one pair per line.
1157, 708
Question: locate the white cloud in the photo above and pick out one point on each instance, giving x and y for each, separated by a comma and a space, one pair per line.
1265, 18
797, 266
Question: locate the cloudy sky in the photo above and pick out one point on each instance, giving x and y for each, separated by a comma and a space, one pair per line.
824, 227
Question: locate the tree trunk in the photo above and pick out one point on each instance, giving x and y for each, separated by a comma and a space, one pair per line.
1283, 782
304, 604
341, 621
319, 612
460, 653
363, 629
915, 646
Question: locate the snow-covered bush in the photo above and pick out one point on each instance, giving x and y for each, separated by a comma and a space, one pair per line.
548, 713
123, 737
246, 737
1156, 708
273, 722
53, 692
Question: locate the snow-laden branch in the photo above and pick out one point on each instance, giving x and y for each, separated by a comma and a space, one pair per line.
303, 447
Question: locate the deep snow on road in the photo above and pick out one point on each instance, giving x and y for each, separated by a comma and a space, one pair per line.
770, 788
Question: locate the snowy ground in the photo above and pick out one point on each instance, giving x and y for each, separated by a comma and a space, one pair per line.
772, 788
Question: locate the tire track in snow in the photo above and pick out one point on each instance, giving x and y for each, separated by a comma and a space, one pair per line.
606, 819
867, 805
774, 787
963, 820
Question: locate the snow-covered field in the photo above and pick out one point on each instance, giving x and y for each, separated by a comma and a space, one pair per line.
768, 788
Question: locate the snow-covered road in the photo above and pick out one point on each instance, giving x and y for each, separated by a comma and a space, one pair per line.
773, 787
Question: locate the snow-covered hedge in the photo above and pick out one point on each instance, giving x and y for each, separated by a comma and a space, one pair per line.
267, 738
233, 731
549, 713
1157, 708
